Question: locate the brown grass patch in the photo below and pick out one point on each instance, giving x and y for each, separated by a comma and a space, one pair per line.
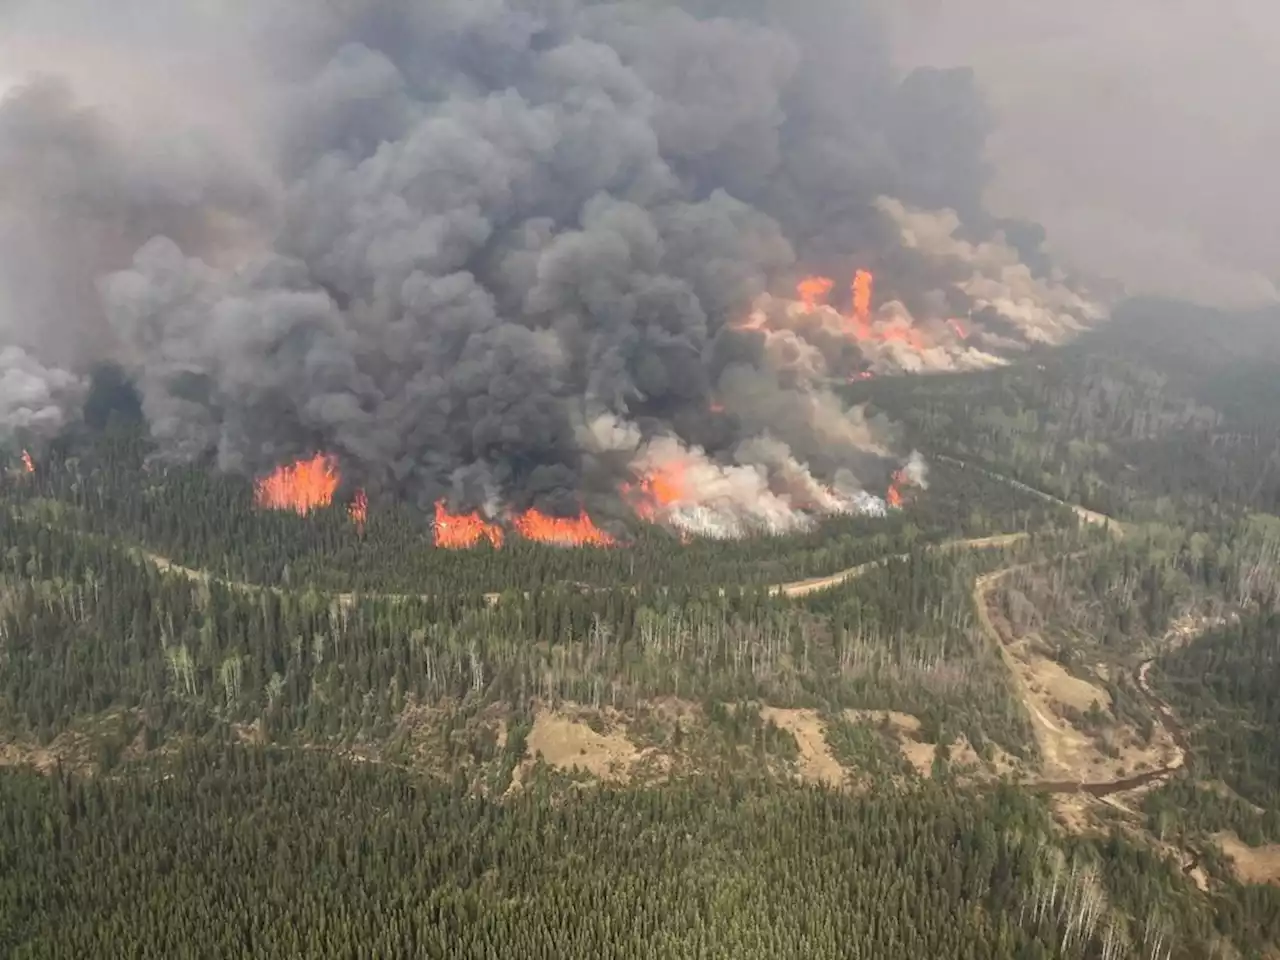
1252, 864
919, 752
1052, 679
817, 763
566, 741
42, 759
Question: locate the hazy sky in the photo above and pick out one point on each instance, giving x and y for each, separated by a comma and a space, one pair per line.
1144, 134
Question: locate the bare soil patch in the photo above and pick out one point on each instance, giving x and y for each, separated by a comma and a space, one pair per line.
920, 752
1052, 679
817, 763
565, 740
1252, 864
1046, 689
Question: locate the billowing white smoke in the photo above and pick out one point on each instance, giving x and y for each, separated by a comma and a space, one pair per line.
1043, 310
35, 399
766, 489
915, 471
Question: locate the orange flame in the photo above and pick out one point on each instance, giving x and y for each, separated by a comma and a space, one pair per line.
863, 288
358, 510
958, 328
301, 487
894, 496
577, 531
463, 530
716, 407
28, 463
896, 483
813, 291
663, 487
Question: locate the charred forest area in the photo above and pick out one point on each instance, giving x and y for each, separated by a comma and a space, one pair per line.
572, 479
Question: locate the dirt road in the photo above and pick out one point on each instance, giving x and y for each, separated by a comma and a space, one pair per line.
1064, 749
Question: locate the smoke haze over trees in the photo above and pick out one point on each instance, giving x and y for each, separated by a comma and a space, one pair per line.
1142, 134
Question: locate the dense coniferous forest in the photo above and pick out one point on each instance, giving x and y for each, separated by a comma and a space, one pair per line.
985, 725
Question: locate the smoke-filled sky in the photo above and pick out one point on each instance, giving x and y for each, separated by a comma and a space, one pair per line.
1143, 134
504, 252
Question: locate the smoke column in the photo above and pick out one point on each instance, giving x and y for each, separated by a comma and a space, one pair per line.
500, 254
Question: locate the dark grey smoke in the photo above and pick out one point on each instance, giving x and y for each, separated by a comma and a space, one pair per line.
496, 221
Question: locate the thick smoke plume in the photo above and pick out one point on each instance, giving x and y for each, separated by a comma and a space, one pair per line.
517, 253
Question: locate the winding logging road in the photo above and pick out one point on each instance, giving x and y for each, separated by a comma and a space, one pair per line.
983, 586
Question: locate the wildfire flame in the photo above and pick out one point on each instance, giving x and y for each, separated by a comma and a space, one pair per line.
894, 496
577, 531
863, 287
813, 291
463, 530
301, 487
28, 464
900, 481
958, 328
664, 487
358, 510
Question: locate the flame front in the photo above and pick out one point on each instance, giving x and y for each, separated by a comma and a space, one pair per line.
28, 464
301, 487
577, 531
459, 531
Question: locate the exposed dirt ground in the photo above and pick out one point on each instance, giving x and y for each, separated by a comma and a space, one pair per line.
564, 740
817, 763
1069, 754
918, 751
1252, 864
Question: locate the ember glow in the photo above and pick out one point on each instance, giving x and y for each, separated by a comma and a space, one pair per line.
461, 531
358, 510
301, 487
28, 464
958, 328
577, 531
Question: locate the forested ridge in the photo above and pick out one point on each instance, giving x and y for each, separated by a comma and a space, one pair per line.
321, 741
